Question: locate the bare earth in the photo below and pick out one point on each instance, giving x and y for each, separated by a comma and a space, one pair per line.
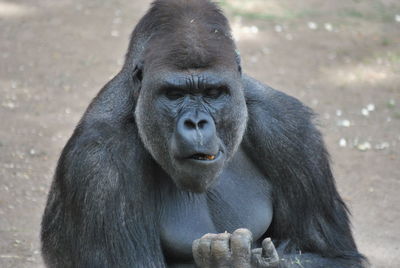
342, 58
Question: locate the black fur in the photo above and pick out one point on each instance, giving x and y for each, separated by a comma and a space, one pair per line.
309, 213
114, 178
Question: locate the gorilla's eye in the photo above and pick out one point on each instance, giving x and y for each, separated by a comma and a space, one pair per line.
214, 92
174, 94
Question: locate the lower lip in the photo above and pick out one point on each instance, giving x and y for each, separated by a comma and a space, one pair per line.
217, 157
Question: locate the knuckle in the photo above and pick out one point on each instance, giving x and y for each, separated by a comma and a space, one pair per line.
208, 236
242, 231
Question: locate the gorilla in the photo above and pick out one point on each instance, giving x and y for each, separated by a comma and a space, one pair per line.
182, 160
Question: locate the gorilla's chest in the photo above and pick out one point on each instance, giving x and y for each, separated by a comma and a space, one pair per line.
240, 199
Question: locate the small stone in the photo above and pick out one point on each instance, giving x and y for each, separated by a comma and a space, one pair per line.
253, 59
10, 105
391, 103
364, 112
278, 28
254, 29
342, 142
382, 146
314, 102
114, 33
365, 146
339, 112
328, 27
371, 107
344, 123
397, 18
14, 84
312, 25
12, 165
251, 30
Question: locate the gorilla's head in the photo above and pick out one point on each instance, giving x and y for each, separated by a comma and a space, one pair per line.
191, 111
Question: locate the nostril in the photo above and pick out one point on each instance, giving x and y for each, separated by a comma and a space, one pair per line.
202, 123
189, 124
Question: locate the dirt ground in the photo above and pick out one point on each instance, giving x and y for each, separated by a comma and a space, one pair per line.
341, 57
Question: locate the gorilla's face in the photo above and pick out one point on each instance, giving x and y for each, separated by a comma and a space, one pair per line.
191, 121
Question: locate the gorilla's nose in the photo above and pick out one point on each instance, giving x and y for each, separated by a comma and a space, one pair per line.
196, 130
195, 123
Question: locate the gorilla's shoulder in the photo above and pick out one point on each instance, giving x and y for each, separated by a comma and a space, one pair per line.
264, 102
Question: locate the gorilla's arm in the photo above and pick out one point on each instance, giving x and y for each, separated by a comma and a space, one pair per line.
98, 209
309, 214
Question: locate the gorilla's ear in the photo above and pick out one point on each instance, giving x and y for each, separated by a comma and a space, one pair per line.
238, 61
137, 77
137, 73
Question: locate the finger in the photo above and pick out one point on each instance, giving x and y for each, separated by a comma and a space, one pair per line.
256, 251
269, 251
256, 260
197, 255
220, 252
201, 251
241, 248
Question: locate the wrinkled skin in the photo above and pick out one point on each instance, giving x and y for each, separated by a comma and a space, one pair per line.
190, 113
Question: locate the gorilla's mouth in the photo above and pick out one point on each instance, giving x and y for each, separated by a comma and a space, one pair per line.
204, 157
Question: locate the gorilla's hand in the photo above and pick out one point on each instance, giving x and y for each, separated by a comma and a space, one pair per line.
233, 250
265, 256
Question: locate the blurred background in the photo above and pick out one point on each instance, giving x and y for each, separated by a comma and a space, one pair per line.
342, 58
